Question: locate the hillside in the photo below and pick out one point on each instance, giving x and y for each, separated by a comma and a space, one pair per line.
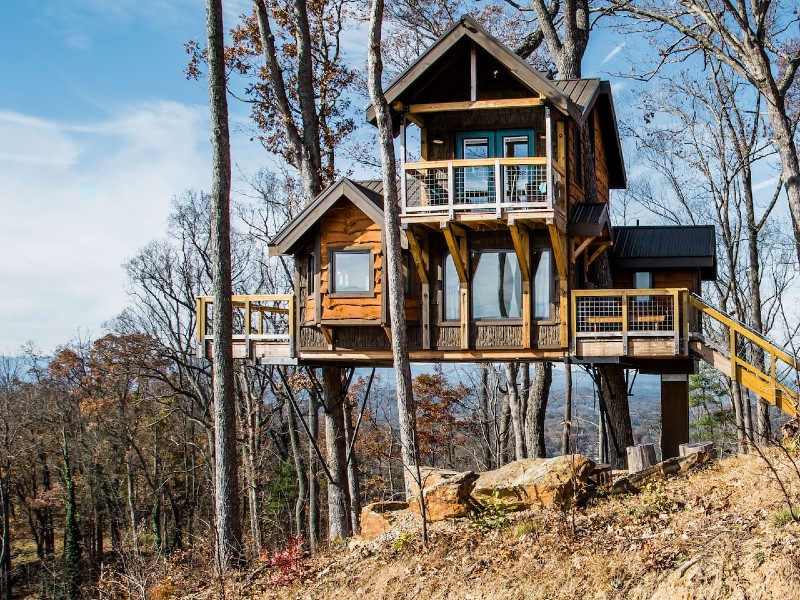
717, 533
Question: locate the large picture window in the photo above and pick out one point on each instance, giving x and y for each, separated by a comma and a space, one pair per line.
351, 272
543, 284
451, 291
496, 285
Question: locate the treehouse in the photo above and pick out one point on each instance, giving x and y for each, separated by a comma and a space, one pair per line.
508, 250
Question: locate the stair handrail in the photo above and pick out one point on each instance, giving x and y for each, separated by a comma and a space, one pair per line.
754, 336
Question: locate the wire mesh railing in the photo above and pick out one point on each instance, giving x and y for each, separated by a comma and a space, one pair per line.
484, 184
625, 311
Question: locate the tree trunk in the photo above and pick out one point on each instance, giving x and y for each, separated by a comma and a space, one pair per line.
5, 540
397, 315
339, 526
537, 406
503, 433
352, 470
300, 472
738, 409
484, 414
614, 391
565, 449
313, 473
228, 525
516, 413
72, 532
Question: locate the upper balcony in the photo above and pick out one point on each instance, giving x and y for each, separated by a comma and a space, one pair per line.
491, 187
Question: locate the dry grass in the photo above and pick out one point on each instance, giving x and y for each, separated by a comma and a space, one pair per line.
708, 535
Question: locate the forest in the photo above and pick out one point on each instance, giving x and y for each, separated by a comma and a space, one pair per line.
119, 456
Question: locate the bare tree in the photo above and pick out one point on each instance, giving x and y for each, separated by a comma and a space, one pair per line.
402, 367
228, 524
757, 40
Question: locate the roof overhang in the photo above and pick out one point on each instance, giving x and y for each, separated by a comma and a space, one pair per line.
468, 28
286, 240
590, 220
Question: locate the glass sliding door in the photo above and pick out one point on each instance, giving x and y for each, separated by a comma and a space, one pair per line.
475, 184
518, 180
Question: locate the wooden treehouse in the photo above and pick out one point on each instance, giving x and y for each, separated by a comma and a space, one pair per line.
502, 233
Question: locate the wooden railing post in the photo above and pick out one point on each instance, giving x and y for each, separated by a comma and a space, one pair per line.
451, 189
625, 325
498, 188
676, 323
548, 130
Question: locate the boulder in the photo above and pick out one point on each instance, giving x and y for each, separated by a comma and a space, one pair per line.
446, 493
377, 518
538, 482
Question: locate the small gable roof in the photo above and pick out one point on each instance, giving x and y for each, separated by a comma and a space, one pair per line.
654, 246
589, 219
366, 195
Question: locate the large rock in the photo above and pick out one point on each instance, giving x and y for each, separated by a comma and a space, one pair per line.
537, 482
377, 518
446, 493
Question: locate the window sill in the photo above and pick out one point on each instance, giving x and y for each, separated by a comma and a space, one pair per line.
335, 295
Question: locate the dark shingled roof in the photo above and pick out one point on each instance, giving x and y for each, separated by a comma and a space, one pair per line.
645, 247
582, 92
588, 219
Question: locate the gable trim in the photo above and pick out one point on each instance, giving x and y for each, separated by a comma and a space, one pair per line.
284, 241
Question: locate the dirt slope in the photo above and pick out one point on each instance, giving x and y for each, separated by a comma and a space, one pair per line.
711, 534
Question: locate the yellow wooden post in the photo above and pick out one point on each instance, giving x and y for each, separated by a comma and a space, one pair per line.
625, 327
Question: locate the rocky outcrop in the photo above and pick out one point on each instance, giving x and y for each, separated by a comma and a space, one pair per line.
377, 518
446, 493
538, 482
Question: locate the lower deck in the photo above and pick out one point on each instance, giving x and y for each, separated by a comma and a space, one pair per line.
603, 326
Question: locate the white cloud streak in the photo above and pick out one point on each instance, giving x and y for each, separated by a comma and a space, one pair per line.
616, 50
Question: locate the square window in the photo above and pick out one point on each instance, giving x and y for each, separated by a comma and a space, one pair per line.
351, 272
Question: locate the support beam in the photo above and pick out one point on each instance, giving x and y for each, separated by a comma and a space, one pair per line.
419, 254
558, 241
576, 252
431, 107
596, 254
456, 251
521, 240
674, 414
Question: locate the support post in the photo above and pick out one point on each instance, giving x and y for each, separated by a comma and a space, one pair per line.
674, 414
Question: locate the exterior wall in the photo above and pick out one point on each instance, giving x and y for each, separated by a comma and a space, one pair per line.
600, 164
662, 278
444, 126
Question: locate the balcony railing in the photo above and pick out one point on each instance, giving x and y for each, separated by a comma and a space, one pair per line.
481, 185
638, 322
263, 327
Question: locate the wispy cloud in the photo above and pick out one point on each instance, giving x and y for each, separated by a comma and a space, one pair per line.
616, 50
767, 183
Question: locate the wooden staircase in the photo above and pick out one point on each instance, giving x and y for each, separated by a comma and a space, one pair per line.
777, 381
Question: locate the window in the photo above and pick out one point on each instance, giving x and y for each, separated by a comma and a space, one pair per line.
451, 290
496, 285
543, 284
311, 270
642, 280
351, 272
476, 184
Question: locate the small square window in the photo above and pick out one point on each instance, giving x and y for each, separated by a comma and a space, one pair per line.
351, 272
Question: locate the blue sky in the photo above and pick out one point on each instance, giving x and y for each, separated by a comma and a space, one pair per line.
99, 129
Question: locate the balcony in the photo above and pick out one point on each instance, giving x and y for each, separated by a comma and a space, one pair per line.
263, 327
642, 323
494, 185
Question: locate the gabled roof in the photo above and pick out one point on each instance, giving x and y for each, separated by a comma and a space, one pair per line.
467, 27
589, 219
366, 195
573, 97
645, 247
